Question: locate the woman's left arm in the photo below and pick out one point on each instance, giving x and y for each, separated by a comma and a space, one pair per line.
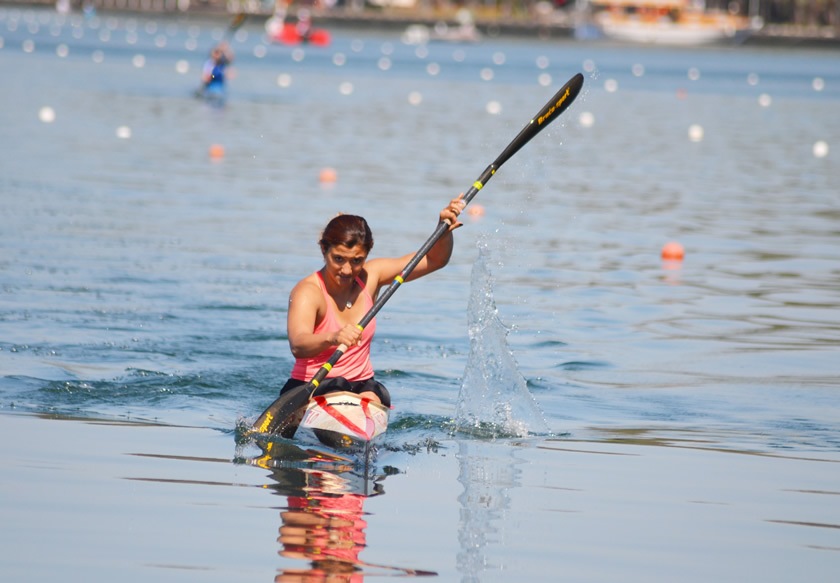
385, 269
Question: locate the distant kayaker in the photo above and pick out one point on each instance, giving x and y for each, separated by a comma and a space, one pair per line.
325, 307
213, 73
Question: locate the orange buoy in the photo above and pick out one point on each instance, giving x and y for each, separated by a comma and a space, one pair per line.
673, 251
217, 152
328, 175
476, 210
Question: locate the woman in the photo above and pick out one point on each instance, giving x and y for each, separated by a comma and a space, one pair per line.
325, 307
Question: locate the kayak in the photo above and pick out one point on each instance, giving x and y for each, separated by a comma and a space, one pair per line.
343, 419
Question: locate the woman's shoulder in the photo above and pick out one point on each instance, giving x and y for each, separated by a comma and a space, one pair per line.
309, 286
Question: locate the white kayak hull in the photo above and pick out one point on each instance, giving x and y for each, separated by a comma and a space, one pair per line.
348, 417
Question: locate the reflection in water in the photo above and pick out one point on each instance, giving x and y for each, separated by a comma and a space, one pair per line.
486, 479
324, 520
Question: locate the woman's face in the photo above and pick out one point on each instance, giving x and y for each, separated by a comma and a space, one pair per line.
344, 263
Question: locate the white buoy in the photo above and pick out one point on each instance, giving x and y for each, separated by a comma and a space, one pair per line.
586, 119
820, 149
695, 133
46, 114
124, 132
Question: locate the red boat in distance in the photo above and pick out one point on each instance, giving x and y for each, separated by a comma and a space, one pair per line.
296, 33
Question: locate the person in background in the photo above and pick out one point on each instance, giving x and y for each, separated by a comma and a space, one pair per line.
213, 73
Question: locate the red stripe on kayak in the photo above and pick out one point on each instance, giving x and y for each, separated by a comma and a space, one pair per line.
341, 418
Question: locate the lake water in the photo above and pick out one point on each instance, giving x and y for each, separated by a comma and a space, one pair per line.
568, 406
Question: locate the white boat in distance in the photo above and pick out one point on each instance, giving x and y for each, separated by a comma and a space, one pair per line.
667, 22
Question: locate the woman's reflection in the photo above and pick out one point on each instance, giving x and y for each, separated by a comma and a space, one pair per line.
324, 522
325, 525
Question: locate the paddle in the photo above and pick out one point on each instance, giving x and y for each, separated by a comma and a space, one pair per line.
284, 414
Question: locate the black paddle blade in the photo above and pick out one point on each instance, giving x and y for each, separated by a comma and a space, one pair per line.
284, 414
550, 111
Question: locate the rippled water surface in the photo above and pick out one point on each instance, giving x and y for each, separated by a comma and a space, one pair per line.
145, 280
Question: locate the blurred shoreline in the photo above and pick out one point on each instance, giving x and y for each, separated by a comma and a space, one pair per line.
556, 25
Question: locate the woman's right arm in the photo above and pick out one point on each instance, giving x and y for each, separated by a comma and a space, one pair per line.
300, 322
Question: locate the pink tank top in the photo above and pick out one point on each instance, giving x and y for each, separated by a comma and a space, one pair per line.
354, 365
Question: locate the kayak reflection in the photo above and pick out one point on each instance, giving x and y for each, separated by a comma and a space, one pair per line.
326, 526
324, 520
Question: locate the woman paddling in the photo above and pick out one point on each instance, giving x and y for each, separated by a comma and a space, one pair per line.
325, 307
213, 73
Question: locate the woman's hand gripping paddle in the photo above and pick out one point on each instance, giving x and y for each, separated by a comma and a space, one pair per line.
284, 414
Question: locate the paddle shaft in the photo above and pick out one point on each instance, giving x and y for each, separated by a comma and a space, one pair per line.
549, 112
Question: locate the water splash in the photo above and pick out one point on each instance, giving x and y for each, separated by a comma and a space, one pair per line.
494, 400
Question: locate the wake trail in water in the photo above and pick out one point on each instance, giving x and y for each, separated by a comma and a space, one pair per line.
494, 399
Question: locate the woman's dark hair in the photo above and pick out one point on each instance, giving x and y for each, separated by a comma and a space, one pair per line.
347, 230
